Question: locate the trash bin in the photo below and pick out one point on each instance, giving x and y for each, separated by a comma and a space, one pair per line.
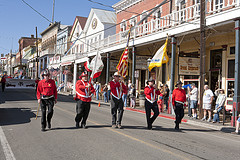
141, 100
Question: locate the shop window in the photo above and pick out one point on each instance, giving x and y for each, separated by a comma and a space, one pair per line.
231, 68
216, 59
232, 50
230, 89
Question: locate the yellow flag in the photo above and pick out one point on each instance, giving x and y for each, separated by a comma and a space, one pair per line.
160, 57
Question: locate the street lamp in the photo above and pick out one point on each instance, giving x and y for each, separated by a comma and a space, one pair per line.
148, 63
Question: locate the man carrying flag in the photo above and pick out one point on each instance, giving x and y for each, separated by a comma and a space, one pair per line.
160, 57
84, 89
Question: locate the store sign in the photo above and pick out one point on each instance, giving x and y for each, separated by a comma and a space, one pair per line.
54, 60
141, 62
113, 65
137, 74
189, 66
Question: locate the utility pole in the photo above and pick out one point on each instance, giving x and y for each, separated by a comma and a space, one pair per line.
53, 11
37, 54
202, 53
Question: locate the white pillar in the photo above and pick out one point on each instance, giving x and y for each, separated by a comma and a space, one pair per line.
74, 78
224, 69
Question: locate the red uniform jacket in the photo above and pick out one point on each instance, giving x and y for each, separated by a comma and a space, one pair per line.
46, 88
115, 89
178, 95
3, 80
151, 93
83, 93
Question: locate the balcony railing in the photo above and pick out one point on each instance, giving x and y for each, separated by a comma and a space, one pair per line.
171, 20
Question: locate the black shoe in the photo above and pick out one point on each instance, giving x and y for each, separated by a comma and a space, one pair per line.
49, 125
43, 129
149, 127
77, 125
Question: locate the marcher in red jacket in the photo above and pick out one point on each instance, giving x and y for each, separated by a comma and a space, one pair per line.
46, 95
117, 90
151, 94
178, 100
84, 89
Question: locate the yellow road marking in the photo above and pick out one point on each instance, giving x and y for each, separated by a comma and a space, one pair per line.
130, 137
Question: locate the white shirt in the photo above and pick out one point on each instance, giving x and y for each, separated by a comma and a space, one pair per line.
208, 94
194, 94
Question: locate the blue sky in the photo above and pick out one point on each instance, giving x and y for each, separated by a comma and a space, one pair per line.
18, 20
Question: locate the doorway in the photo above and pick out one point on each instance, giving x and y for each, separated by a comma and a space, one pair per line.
215, 69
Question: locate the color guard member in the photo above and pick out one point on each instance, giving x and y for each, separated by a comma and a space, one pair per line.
46, 95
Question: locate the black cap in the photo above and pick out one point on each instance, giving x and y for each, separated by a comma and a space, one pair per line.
178, 82
150, 80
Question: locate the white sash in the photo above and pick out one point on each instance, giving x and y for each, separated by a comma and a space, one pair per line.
152, 96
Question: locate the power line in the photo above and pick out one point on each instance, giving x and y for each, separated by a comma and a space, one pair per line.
36, 11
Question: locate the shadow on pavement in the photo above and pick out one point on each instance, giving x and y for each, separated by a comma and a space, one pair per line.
13, 116
227, 129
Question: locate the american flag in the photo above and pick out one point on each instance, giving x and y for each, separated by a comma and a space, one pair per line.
122, 66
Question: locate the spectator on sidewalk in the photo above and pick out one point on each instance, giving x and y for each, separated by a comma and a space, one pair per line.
166, 96
129, 89
160, 102
105, 89
221, 98
193, 100
109, 91
97, 90
124, 96
237, 127
208, 97
132, 96
3, 81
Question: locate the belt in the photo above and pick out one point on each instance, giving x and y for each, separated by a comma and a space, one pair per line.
180, 102
47, 97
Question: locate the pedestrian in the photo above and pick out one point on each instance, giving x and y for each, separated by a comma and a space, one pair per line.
124, 96
105, 89
178, 100
3, 81
132, 96
47, 96
84, 89
151, 94
237, 127
193, 100
160, 102
108, 91
117, 89
129, 89
208, 97
97, 90
166, 96
221, 98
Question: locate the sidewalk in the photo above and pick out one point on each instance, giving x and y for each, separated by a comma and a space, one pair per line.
215, 126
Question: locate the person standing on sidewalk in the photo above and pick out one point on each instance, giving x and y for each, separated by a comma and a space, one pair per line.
151, 94
3, 81
84, 89
237, 127
117, 89
208, 97
178, 100
193, 100
47, 96
166, 96
132, 93
105, 89
221, 98
97, 90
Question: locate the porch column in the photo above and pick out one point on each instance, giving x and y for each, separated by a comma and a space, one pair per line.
74, 78
39, 68
236, 97
133, 66
65, 82
108, 66
172, 70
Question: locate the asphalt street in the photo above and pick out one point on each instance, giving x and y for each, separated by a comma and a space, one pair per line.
22, 139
